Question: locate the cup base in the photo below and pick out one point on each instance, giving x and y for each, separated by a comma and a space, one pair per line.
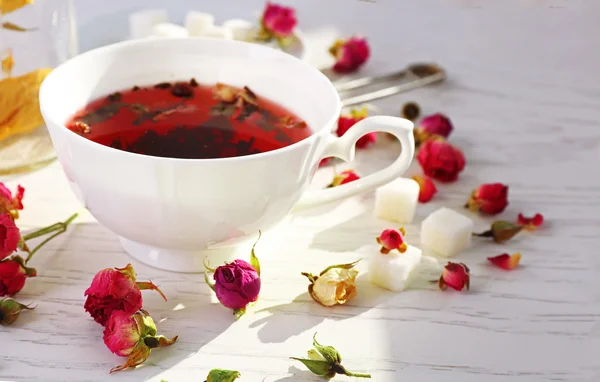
177, 260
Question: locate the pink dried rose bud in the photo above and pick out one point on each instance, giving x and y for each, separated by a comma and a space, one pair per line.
115, 289
392, 239
350, 54
506, 261
133, 336
501, 231
437, 124
344, 177
335, 285
10, 310
491, 198
456, 276
345, 122
10, 236
426, 188
441, 160
9, 203
277, 21
532, 223
13, 274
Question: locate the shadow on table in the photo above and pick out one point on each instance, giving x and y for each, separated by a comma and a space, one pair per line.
297, 375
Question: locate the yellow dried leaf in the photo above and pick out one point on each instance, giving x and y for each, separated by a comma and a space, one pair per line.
19, 103
14, 27
8, 62
7, 6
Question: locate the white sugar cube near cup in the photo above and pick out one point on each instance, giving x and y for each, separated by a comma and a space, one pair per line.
169, 30
397, 201
240, 29
446, 232
218, 32
142, 22
198, 22
394, 270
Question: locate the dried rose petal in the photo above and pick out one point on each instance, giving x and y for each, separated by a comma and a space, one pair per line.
506, 261
531, 223
344, 177
426, 188
456, 276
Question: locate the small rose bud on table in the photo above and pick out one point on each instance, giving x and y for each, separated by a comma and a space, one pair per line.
10, 310
335, 285
397, 200
446, 232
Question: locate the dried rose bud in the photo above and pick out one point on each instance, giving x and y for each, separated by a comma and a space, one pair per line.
10, 236
531, 223
391, 239
133, 336
506, 261
350, 54
455, 276
277, 21
335, 285
344, 177
220, 375
345, 122
13, 274
326, 361
437, 124
411, 111
501, 231
426, 188
441, 160
9, 203
10, 310
115, 289
491, 198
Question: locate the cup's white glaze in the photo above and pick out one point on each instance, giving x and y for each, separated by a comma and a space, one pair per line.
167, 212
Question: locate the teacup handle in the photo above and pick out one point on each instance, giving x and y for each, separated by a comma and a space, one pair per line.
344, 148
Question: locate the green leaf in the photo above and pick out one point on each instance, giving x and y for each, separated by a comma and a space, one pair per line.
342, 266
253, 259
328, 352
322, 368
14, 27
220, 375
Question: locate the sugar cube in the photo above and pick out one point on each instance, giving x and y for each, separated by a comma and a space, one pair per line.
198, 22
397, 200
240, 29
393, 270
218, 32
169, 30
446, 232
142, 22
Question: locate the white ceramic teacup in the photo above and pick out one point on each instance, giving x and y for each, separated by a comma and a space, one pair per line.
168, 211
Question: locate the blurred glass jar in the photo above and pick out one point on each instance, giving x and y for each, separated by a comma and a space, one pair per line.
35, 37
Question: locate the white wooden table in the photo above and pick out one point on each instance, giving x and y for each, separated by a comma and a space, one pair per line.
524, 94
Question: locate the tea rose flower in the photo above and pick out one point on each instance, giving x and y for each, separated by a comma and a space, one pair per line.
437, 124
10, 235
13, 274
133, 336
345, 122
344, 177
455, 276
10, 310
333, 286
391, 239
350, 54
426, 188
236, 284
9, 203
115, 289
506, 261
278, 20
441, 160
489, 198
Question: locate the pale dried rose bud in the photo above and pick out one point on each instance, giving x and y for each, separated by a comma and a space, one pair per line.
335, 285
506, 261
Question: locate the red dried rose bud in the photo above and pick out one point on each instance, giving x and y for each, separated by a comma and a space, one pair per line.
10, 236
501, 231
489, 198
237, 284
441, 160
426, 188
437, 124
115, 289
350, 54
391, 239
13, 274
455, 276
9, 203
133, 336
10, 310
278, 21
345, 122
531, 223
344, 177
506, 261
